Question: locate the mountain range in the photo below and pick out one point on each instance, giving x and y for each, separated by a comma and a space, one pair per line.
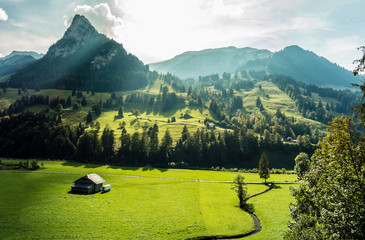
87, 60
292, 61
15, 60
83, 59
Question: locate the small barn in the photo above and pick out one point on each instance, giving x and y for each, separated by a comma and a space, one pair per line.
90, 183
211, 125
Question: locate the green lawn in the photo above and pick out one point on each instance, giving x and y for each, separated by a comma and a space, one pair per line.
38, 206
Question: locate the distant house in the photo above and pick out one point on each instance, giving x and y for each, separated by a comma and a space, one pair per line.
90, 183
211, 126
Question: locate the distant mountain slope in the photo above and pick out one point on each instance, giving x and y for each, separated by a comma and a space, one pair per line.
16, 60
292, 61
200, 63
23, 53
84, 59
305, 66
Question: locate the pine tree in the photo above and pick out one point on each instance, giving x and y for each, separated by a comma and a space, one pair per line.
107, 141
83, 102
264, 167
68, 101
89, 117
120, 112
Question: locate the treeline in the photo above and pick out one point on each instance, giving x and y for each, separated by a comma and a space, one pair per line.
31, 135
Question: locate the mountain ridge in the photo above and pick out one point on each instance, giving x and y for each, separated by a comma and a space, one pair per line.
293, 61
16, 60
202, 64
84, 59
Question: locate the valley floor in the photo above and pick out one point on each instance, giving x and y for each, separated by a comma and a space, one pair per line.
38, 205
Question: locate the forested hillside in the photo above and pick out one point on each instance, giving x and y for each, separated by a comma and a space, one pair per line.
215, 121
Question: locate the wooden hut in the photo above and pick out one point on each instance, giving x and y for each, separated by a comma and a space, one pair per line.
90, 183
211, 125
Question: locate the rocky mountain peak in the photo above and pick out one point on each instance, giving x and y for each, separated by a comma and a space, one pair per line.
80, 29
79, 34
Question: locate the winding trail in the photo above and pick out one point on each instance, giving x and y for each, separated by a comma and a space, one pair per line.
256, 220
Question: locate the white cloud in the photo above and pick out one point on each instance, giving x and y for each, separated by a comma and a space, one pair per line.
3, 15
101, 18
227, 9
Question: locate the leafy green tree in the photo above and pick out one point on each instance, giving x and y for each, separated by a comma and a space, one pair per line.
302, 163
241, 189
264, 167
88, 147
330, 202
76, 106
59, 108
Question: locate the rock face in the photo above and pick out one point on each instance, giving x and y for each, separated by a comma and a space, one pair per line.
84, 59
78, 35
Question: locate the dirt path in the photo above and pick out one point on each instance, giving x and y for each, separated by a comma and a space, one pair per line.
256, 220
135, 176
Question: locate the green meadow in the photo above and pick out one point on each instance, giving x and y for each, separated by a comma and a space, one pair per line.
38, 205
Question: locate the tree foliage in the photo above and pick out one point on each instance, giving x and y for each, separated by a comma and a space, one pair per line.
302, 163
330, 203
241, 189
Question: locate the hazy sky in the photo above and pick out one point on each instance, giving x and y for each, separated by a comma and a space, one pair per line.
156, 30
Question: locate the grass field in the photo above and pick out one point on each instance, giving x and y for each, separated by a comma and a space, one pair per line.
74, 167
273, 211
37, 205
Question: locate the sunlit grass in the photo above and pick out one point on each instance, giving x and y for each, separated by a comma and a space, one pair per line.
38, 205
60, 166
273, 210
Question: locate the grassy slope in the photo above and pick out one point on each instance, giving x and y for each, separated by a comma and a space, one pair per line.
38, 206
273, 98
277, 99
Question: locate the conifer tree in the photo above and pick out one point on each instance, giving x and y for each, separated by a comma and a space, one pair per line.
264, 167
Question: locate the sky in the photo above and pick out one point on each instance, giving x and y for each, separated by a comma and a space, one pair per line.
156, 30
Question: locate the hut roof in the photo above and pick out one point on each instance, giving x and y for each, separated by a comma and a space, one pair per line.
95, 178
